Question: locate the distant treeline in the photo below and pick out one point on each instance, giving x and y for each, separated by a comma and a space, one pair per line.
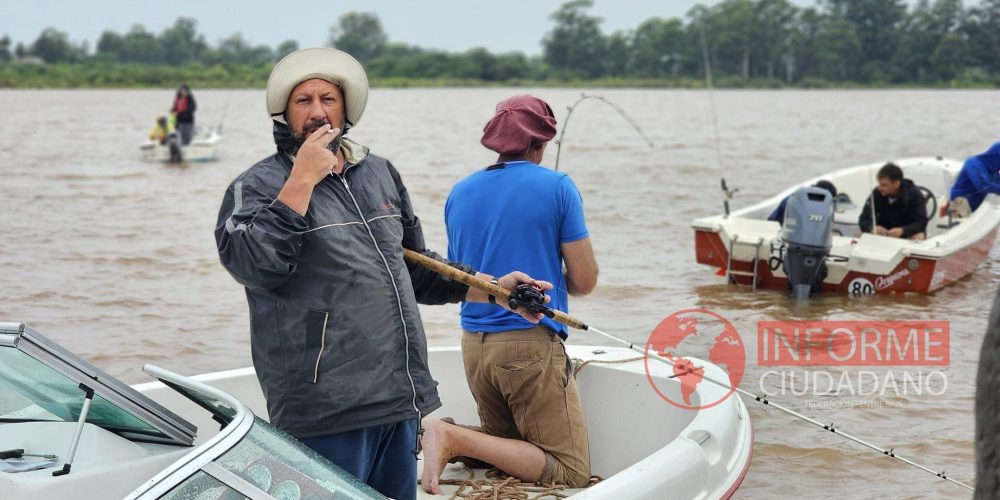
757, 43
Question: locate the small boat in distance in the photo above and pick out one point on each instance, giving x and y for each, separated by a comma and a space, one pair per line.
749, 249
163, 439
202, 148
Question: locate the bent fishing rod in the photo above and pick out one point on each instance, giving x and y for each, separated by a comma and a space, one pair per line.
533, 300
618, 109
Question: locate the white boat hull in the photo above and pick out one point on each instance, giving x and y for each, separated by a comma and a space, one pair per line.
642, 446
743, 244
203, 148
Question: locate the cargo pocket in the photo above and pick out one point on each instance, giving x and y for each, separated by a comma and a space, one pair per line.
521, 383
315, 344
562, 366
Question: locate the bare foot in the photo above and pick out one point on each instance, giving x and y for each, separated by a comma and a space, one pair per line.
436, 453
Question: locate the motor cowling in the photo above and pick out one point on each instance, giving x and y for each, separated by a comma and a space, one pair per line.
807, 232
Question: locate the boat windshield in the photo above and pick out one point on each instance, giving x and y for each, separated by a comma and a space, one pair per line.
267, 463
36, 392
281, 466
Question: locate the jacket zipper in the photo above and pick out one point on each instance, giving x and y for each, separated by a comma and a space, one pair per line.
322, 346
399, 300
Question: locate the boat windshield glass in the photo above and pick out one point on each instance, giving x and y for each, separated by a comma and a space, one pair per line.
274, 462
201, 485
33, 391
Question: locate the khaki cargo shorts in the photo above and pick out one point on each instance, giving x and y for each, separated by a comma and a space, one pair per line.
524, 389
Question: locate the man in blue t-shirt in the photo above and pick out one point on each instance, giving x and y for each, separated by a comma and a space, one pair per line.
516, 214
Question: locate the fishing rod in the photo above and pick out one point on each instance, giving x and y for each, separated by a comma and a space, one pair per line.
532, 300
618, 109
225, 109
727, 193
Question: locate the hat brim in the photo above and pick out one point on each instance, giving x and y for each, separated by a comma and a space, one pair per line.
328, 64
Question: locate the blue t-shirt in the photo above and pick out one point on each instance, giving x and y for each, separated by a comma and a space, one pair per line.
513, 218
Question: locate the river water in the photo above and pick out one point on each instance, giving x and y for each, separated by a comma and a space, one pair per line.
115, 259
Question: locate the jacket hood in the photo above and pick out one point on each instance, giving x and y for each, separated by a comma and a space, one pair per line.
991, 158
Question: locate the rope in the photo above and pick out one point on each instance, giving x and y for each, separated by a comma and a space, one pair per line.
498, 485
605, 362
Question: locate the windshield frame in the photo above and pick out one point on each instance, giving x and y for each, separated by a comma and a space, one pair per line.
173, 429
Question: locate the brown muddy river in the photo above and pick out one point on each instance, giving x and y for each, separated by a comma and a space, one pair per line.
115, 259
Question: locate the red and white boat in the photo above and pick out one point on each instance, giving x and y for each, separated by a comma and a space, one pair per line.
748, 249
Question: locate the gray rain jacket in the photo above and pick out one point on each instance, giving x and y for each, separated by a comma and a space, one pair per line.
335, 332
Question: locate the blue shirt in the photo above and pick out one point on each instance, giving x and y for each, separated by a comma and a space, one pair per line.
979, 177
508, 218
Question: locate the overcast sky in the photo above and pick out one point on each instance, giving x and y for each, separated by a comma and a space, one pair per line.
456, 25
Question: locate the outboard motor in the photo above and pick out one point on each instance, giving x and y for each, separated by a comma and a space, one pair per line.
808, 236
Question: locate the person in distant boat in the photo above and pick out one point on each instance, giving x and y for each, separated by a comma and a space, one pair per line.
164, 133
533, 425
183, 109
900, 208
979, 177
778, 215
315, 233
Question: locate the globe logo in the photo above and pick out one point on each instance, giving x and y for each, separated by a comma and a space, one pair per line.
697, 332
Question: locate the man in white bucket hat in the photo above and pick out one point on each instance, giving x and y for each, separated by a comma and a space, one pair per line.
315, 233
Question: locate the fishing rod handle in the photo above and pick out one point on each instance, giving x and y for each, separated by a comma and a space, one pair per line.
469, 279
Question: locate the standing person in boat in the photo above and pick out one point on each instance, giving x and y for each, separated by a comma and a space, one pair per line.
184, 108
315, 233
778, 215
516, 214
979, 177
900, 208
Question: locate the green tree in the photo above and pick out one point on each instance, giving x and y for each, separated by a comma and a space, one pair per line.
5, 54
53, 46
181, 42
803, 40
658, 48
876, 24
949, 57
141, 46
285, 48
838, 50
982, 29
359, 34
110, 45
575, 45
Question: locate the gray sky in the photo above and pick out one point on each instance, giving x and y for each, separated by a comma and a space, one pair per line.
456, 25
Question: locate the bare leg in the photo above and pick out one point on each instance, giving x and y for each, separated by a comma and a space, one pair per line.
443, 441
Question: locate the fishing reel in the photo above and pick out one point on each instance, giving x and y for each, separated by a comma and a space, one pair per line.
531, 298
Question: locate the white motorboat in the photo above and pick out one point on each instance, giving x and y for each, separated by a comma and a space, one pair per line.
162, 439
203, 148
749, 249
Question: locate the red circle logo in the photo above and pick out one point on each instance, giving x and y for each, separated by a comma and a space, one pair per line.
699, 331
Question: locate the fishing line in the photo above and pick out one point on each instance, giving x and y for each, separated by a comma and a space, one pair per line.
532, 300
621, 112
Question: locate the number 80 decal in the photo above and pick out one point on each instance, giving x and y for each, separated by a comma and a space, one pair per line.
860, 287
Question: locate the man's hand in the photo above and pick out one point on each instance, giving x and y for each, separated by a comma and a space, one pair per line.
510, 282
315, 161
881, 231
896, 232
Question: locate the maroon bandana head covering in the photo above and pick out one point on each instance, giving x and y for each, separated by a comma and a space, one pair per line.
520, 122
